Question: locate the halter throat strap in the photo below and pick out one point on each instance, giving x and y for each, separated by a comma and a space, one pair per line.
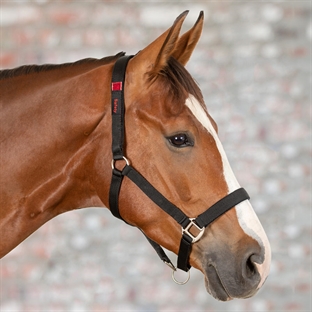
192, 228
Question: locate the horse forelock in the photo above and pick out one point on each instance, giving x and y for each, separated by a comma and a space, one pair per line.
179, 83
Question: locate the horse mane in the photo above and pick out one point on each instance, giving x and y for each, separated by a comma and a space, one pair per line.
176, 79
30, 69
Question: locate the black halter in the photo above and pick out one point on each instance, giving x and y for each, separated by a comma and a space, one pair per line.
189, 225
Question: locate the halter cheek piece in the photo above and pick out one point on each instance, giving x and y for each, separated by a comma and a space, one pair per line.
192, 228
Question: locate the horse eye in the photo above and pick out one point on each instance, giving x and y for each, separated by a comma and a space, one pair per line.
180, 140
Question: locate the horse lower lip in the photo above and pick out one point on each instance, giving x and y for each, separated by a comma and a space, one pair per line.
214, 286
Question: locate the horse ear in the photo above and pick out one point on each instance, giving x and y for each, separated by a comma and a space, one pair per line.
152, 59
187, 43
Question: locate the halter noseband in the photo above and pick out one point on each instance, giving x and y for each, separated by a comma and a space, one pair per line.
189, 225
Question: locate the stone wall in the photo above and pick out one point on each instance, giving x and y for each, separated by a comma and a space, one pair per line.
253, 64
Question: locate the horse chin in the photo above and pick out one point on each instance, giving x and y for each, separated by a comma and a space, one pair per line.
214, 286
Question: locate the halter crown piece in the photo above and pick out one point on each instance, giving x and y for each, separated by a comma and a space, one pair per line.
189, 225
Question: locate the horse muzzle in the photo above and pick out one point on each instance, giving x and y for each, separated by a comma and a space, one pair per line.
229, 276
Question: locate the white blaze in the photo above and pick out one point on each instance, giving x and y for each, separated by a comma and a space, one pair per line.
246, 216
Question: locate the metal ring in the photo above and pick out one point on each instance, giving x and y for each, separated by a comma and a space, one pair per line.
181, 283
124, 158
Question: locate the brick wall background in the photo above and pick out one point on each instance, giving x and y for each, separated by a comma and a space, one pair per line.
253, 64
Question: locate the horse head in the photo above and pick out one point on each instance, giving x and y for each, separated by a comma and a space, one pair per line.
171, 139
170, 142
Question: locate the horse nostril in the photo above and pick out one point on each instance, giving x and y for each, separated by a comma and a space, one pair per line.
250, 267
251, 271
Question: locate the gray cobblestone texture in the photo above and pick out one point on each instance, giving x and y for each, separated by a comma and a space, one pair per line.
253, 64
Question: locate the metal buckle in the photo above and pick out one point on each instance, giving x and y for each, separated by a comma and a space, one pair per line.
186, 231
114, 161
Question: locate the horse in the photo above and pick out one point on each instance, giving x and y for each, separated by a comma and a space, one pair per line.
70, 131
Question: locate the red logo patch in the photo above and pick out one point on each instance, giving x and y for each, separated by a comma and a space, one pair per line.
117, 86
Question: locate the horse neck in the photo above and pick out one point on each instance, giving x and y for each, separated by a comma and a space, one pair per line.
53, 128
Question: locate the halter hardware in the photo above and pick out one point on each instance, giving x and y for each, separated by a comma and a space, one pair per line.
178, 282
123, 158
189, 225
